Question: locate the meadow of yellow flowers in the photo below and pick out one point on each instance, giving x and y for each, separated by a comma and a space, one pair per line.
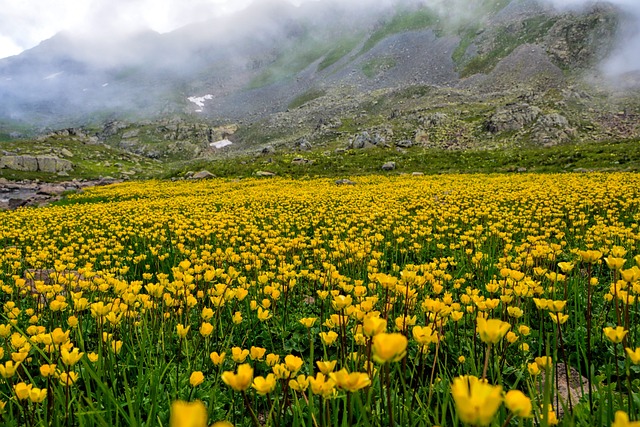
484, 300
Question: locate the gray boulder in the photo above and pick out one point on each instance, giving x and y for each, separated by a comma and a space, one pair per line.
389, 166
405, 143
512, 117
53, 164
203, 175
345, 182
265, 174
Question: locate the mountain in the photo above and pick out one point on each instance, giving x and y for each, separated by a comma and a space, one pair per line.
473, 74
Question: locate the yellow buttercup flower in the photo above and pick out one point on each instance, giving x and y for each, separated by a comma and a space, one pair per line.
533, 368
48, 370
216, 358
389, 347
22, 390
241, 380
293, 363
264, 385
196, 378
263, 314
373, 325
634, 355
518, 403
272, 359
300, 383
70, 358
544, 362
493, 330
328, 338
615, 335
476, 401
8, 370
353, 381
308, 322
326, 367
424, 335
239, 355
182, 330
257, 353
206, 329
622, 420
68, 378
322, 385
37, 395
590, 256
237, 318
188, 414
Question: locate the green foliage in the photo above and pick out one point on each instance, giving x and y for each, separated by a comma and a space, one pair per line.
342, 48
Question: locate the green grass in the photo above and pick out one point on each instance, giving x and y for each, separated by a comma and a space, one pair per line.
342, 48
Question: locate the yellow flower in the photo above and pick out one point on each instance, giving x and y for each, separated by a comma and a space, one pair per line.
350, 381
93, 357
534, 369
493, 330
221, 424
48, 370
70, 358
116, 346
524, 330
308, 322
300, 383
590, 256
559, 318
264, 385
188, 414
544, 362
272, 359
59, 337
634, 355
237, 318
257, 353
322, 385
518, 403
68, 379
389, 347
615, 263
240, 381
280, 370
326, 367
182, 331
461, 359
37, 395
263, 314
476, 401
615, 335
424, 335
512, 337
206, 329
239, 355
216, 358
622, 420
72, 321
22, 390
293, 363
8, 369
5, 331
630, 275
196, 378
566, 267
373, 325
340, 302
328, 338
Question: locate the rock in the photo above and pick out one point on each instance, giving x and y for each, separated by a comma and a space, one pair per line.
405, 143
361, 140
433, 120
268, 150
345, 182
131, 134
304, 145
521, 169
19, 163
265, 174
301, 161
389, 166
51, 190
53, 164
62, 173
203, 175
422, 137
417, 173
512, 117
66, 153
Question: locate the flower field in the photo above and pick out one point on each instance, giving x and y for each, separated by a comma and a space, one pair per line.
414, 301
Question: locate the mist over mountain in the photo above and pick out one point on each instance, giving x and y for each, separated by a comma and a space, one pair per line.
260, 60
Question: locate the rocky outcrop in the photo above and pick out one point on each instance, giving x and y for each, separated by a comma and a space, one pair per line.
552, 129
49, 164
512, 117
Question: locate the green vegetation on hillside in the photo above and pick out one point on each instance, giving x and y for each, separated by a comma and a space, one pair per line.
378, 65
340, 49
305, 97
403, 21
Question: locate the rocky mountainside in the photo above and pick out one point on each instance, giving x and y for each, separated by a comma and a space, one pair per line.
326, 76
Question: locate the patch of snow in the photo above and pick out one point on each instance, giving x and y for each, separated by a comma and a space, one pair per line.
105, 85
221, 144
199, 101
53, 76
